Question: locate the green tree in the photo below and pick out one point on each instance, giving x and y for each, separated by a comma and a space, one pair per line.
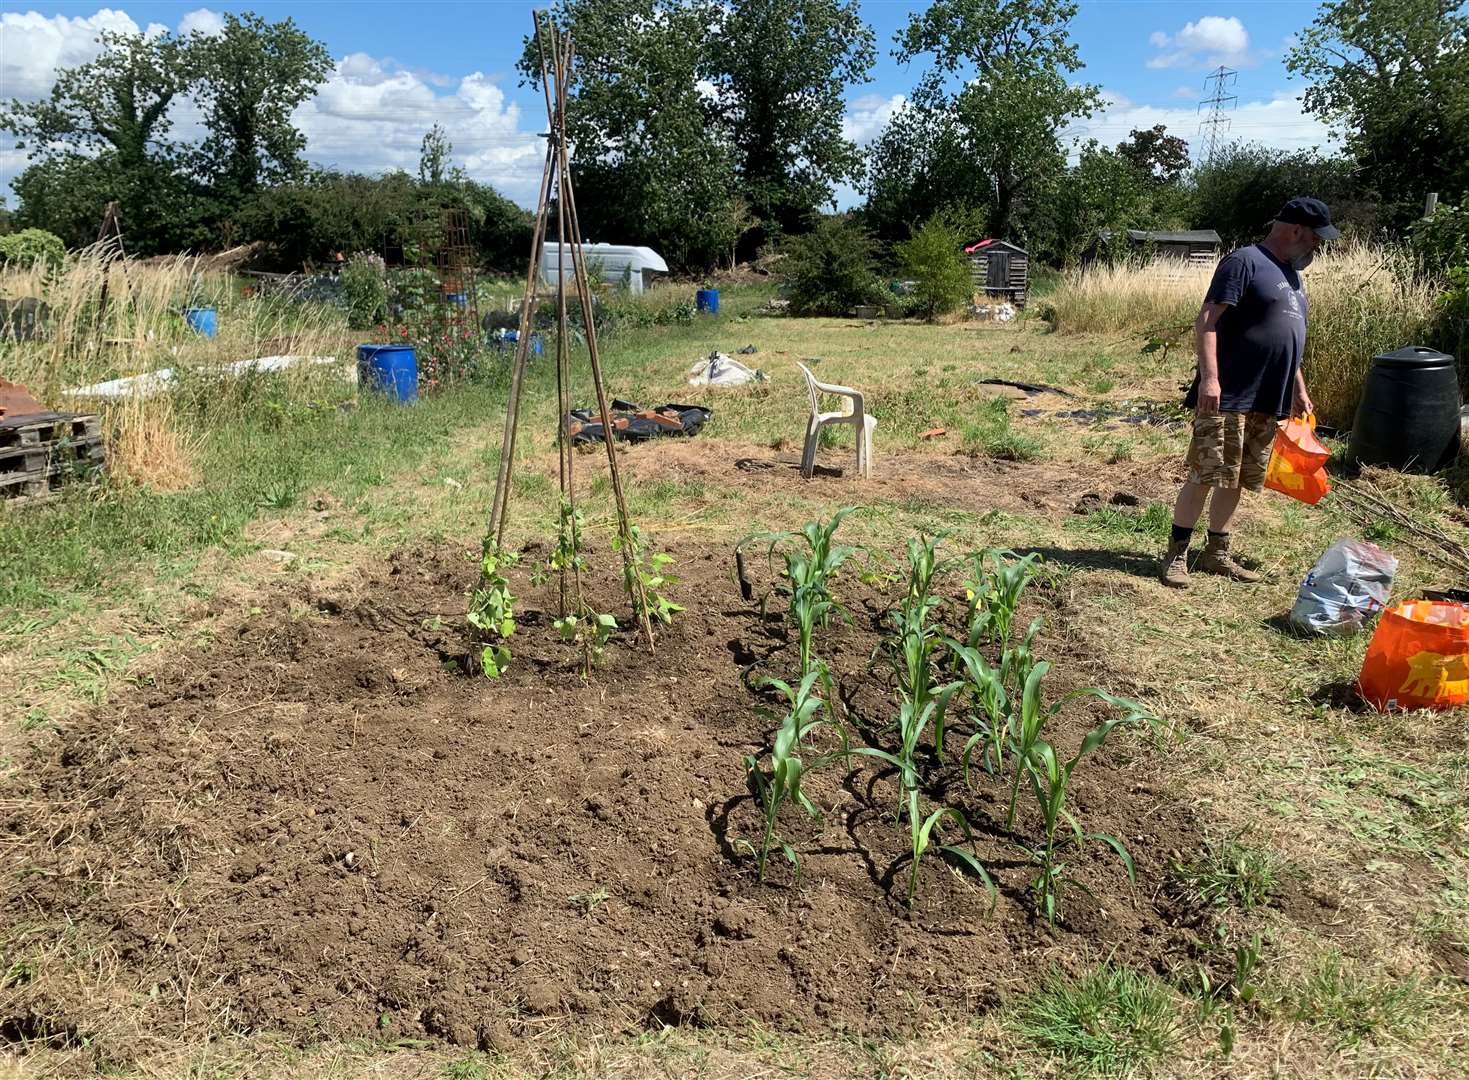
999, 91
649, 163
1392, 76
101, 136
434, 155
117, 103
1160, 157
832, 268
1243, 186
934, 256
1103, 191
249, 78
780, 68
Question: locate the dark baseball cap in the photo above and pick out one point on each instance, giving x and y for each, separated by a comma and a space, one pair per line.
1312, 213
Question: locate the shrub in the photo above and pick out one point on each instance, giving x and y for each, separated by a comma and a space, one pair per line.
31, 247
1442, 241
365, 288
830, 270
934, 257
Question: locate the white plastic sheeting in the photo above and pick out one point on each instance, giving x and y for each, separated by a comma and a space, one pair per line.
717, 369
152, 382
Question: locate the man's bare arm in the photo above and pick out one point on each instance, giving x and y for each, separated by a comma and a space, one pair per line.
1206, 346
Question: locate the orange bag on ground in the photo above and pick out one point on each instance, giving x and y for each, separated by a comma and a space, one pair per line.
1298, 461
1418, 657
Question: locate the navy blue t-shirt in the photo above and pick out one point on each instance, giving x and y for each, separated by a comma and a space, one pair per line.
1262, 334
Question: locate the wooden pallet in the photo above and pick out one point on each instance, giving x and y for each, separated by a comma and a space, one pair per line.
39, 428
43, 452
34, 457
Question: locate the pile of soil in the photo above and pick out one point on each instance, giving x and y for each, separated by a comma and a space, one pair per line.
318, 824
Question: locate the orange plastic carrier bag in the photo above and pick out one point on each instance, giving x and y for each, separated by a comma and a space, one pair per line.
1298, 462
1418, 657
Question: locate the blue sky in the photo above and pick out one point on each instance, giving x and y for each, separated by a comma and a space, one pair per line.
402, 66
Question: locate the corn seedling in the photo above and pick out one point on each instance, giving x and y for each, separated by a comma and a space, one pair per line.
1050, 781
922, 837
916, 638
993, 593
647, 569
492, 610
992, 708
808, 574
783, 780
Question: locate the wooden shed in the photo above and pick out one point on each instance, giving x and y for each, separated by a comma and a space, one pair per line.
1000, 270
1199, 247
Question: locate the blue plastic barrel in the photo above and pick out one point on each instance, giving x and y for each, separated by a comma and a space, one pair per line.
389, 369
459, 299
203, 320
707, 300
538, 343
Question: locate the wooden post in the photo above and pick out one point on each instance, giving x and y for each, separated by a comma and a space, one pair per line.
1430, 204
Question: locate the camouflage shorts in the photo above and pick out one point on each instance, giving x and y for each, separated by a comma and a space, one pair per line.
1231, 450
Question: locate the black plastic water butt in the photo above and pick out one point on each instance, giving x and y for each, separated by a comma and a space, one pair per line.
1409, 415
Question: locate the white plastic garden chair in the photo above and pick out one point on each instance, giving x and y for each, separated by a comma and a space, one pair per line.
857, 416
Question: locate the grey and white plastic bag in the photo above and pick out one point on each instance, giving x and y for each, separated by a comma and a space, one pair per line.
1347, 586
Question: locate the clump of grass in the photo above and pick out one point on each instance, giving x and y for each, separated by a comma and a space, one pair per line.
1110, 1021
147, 445
992, 434
1357, 1007
1226, 873
1153, 523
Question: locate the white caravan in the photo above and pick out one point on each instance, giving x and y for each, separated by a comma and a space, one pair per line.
616, 264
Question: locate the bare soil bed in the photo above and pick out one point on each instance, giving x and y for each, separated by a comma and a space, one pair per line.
315, 824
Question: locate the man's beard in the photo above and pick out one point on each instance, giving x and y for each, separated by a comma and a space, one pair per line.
1300, 262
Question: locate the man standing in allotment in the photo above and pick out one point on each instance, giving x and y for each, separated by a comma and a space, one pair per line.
1249, 336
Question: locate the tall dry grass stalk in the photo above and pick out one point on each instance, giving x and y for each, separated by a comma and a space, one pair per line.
1364, 299
141, 325
148, 445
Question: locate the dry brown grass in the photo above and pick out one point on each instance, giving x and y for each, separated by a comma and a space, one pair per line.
148, 446
1365, 299
141, 326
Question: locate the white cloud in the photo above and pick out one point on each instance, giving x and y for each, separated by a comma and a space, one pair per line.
369, 116
1208, 42
203, 21
33, 46
868, 115
1186, 92
1277, 122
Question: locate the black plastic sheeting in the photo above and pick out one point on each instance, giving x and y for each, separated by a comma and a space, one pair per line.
633, 423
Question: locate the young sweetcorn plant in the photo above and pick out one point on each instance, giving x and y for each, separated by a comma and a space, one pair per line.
809, 572
991, 707
1050, 781
649, 570
914, 648
923, 836
998, 579
782, 782
492, 611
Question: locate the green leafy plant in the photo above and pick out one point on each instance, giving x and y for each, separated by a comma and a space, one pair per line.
832, 268
1050, 782
492, 610
1238, 989
807, 580
914, 645
644, 579
922, 836
782, 781
365, 288
934, 257
1226, 873
590, 631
